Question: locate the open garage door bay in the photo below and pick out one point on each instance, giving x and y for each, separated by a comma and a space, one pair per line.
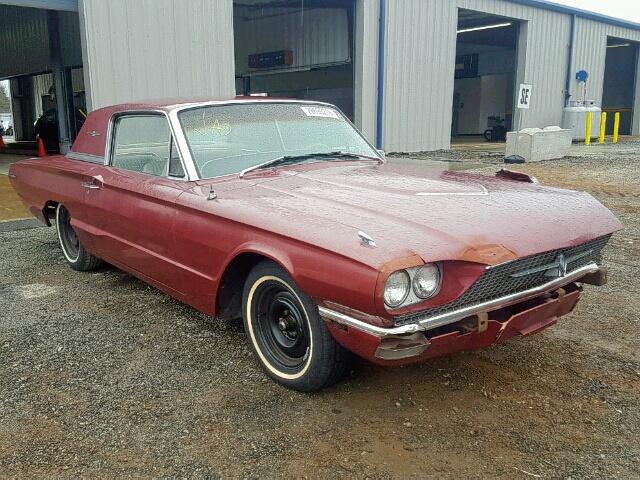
296, 49
42, 59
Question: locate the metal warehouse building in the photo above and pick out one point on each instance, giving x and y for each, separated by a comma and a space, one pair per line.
412, 74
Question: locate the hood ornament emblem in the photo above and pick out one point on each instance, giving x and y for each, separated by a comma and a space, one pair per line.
559, 269
366, 239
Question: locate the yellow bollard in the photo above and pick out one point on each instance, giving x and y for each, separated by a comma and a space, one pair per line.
616, 127
587, 134
603, 127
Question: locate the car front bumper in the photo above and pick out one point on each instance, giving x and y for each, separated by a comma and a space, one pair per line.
468, 328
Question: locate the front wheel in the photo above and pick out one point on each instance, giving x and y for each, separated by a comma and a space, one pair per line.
76, 255
290, 340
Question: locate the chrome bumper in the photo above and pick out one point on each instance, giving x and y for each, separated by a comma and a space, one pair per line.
428, 323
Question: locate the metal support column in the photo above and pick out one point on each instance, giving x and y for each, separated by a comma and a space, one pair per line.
57, 69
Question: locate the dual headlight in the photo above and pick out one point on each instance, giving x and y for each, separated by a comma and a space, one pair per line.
412, 285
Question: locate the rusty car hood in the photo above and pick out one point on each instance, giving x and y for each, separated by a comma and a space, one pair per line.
408, 211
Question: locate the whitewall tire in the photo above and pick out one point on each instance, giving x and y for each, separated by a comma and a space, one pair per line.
289, 339
74, 252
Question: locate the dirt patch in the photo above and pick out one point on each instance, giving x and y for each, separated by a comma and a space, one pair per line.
11, 207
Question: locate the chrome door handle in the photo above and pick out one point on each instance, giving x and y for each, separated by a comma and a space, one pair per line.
90, 185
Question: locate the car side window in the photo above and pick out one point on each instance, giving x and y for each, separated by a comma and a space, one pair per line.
175, 166
142, 144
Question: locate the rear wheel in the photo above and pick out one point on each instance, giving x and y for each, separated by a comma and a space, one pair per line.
76, 255
289, 338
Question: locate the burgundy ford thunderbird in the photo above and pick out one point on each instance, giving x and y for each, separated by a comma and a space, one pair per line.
280, 212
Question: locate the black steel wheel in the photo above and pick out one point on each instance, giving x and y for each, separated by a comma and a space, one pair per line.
281, 326
291, 341
73, 250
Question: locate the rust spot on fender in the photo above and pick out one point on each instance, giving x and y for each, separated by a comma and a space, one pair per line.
488, 254
409, 261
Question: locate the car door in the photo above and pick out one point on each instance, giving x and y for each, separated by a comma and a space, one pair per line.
70, 176
132, 199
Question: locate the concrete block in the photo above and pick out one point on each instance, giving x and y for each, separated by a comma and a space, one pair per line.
535, 144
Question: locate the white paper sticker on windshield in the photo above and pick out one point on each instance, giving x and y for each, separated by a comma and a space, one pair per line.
320, 112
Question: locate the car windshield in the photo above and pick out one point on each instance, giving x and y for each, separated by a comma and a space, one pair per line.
227, 139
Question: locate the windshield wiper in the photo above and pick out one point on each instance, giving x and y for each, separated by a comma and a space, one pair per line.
288, 159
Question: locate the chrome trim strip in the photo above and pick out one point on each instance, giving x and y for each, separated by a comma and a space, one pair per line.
374, 330
231, 101
483, 193
85, 157
109, 139
428, 323
183, 147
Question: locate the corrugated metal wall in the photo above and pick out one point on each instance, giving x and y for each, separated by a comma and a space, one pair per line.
590, 53
70, 39
24, 41
366, 66
547, 50
420, 65
157, 49
165, 48
318, 36
42, 85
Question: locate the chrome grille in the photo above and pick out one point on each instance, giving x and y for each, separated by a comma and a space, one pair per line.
497, 281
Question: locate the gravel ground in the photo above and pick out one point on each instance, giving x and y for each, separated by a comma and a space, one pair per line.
104, 376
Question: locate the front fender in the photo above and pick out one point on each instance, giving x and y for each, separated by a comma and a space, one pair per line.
325, 276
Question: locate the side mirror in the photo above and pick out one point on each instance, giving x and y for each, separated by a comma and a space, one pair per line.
382, 154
